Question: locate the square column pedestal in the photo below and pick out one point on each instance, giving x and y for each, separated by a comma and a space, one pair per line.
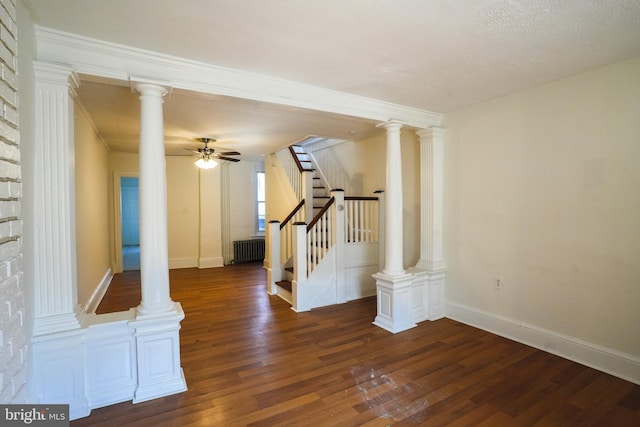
394, 302
158, 349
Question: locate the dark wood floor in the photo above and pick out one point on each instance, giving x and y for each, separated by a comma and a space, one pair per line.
250, 360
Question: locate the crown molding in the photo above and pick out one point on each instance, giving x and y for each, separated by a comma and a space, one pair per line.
112, 61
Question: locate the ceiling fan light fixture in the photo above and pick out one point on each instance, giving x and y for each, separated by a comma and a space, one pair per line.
206, 163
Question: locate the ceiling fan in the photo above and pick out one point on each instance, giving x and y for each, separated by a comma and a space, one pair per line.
208, 157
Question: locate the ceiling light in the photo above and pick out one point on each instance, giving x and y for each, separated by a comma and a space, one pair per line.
206, 163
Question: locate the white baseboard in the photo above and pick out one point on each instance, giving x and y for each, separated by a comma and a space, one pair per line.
96, 298
182, 263
211, 262
622, 365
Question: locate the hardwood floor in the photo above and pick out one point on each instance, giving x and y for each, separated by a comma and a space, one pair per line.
250, 360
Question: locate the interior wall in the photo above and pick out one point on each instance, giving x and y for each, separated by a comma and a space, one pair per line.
92, 207
542, 191
242, 199
183, 211
279, 199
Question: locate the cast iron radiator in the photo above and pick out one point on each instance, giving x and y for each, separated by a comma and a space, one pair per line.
248, 250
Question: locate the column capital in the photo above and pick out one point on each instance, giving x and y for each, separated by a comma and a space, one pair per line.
391, 125
56, 74
431, 132
149, 87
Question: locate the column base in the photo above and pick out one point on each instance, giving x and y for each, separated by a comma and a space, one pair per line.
428, 293
394, 302
158, 353
58, 366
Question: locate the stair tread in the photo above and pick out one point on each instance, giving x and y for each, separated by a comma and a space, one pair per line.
285, 284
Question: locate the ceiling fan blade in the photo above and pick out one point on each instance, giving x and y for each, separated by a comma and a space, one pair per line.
230, 153
231, 159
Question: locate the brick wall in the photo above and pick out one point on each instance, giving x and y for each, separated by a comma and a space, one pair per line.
13, 346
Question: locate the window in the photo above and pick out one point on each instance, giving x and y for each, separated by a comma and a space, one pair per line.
260, 196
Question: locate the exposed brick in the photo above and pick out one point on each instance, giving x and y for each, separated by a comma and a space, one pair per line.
9, 40
9, 208
7, 93
10, 77
13, 349
10, 114
7, 21
9, 249
7, 394
9, 152
10, 189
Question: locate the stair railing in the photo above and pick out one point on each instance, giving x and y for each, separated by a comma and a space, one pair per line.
361, 219
280, 245
286, 230
320, 236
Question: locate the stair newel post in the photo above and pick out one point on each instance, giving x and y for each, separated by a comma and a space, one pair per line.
307, 195
339, 230
298, 294
381, 231
274, 270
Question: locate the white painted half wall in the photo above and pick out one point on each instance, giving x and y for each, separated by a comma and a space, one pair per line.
542, 192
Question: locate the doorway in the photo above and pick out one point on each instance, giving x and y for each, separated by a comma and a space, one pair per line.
130, 231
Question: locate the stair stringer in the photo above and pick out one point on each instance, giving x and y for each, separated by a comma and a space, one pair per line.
320, 287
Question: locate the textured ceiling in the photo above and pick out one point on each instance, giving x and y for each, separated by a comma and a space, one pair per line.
437, 55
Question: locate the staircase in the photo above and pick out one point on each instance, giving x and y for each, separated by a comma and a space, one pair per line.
320, 193
326, 249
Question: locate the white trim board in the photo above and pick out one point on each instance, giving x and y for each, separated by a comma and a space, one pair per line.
111, 61
177, 263
622, 365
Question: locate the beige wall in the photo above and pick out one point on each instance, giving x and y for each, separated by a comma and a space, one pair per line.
92, 207
183, 211
277, 190
542, 190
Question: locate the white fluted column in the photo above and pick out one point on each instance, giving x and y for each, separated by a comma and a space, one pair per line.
154, 255
56, 347
393, 284
431, 198
55, 291
393, 265
429, 273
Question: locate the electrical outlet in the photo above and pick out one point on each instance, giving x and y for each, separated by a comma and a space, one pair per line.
499, 284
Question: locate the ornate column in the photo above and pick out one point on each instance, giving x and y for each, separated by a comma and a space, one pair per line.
393, 265
431, 198
393, 283
56, 345
54, 215
157, 321
430, 269
154, 253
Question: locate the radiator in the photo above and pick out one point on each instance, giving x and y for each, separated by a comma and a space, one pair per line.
248, 250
